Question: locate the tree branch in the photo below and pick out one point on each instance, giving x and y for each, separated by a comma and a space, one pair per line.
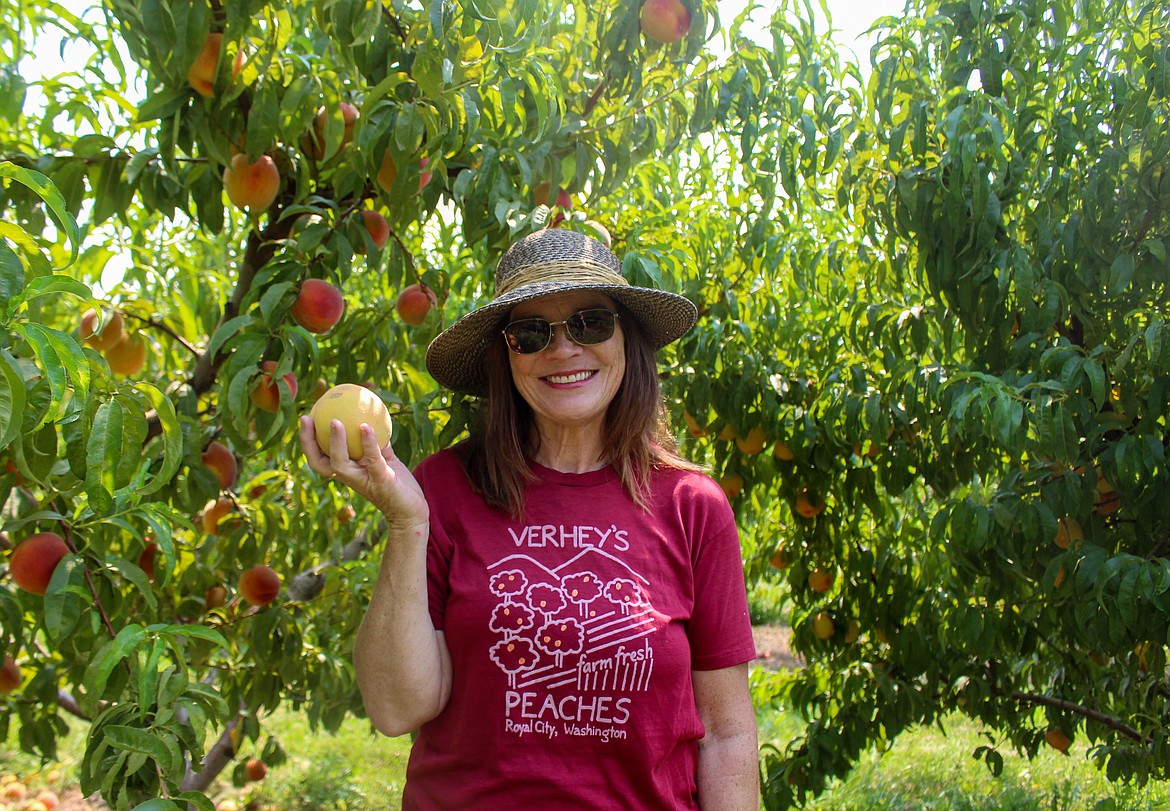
1068, 706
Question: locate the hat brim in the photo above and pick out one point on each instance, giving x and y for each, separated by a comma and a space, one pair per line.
457, 357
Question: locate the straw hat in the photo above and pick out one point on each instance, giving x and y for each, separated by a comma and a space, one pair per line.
545, 262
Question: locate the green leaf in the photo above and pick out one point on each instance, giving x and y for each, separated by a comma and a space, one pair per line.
12, 400
45, 189
112, 654
11, 279
172, 439
160, 748
103, 454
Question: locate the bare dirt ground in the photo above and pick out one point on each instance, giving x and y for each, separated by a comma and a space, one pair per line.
772, 651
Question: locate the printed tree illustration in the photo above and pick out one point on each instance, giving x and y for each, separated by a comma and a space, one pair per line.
510, 619
561, 637
545, 598
582, 589
624, 593
514, 656
509, 584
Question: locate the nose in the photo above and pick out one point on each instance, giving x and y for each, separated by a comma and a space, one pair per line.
560, 341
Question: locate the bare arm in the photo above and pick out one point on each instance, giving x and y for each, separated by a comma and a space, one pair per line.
402, 664
729, 776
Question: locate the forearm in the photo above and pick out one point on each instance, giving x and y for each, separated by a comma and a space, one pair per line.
729, 777
399, 659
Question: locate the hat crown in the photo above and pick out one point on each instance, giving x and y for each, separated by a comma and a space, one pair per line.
555, 255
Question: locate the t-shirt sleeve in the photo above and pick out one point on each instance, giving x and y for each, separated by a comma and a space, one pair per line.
719, 629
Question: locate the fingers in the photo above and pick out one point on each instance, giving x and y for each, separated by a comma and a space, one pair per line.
318, 461
338, 446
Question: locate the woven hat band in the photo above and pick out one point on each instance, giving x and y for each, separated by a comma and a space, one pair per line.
562, 271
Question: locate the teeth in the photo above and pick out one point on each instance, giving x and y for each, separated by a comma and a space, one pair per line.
573, 378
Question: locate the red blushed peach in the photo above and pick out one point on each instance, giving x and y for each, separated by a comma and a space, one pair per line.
665, 21
9, 676
201, 74
249, 185
214, 512
146, 560
414, 303
128, 356
266, 395
34, 559
424, 177
219, 459
377, 228
112, 329
259, 585
314, 143
255, 769
318, 307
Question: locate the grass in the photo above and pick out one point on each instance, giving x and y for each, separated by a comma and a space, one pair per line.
927, 769
356, 770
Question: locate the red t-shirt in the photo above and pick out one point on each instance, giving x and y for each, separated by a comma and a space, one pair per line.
573, 633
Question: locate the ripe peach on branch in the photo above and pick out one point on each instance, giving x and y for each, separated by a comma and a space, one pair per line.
414, 302
318, 306
266, 393
259, 585
251, 185
34, 560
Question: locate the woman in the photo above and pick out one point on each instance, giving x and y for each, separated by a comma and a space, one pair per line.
560, 610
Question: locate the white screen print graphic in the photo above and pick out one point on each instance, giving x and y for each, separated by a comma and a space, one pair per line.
574, 642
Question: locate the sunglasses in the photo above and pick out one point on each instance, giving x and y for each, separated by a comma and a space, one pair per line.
585, 328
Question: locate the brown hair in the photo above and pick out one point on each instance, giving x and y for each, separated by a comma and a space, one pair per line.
637, 437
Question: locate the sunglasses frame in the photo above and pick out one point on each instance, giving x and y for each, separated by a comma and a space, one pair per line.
552, 329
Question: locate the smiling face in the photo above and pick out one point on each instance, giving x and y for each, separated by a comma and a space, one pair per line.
568, 386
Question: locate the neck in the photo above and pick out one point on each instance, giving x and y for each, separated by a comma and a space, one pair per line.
569, 449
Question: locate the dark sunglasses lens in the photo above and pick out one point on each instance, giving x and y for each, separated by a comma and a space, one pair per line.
528, 336
590, 327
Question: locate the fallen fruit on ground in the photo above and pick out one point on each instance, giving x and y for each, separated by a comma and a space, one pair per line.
352, 405
319, 305
34, 559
